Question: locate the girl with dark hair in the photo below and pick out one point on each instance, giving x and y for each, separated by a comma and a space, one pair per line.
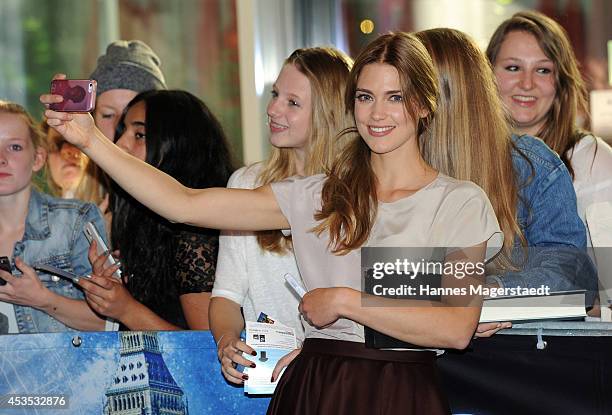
169, 268
380, 192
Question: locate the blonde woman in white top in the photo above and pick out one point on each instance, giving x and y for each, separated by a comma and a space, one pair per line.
304, 125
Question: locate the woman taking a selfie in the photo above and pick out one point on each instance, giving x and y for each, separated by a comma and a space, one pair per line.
380, 192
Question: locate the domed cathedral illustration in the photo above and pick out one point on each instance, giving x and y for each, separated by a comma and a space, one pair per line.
142, 384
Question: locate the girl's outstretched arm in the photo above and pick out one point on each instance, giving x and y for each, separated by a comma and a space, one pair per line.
217, 208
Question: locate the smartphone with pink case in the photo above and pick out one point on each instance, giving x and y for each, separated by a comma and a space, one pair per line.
79, 95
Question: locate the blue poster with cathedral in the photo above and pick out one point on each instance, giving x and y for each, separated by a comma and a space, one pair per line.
120, 373
143, 383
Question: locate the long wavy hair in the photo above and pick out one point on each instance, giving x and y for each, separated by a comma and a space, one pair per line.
348, 199
186, 141
469, 138
94, 184
559, 130
327, 70
89, 188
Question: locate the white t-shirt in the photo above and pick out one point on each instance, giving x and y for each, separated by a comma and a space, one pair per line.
446, 213
254, 278
592, 173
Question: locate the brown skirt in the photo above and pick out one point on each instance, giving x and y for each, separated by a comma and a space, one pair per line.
340, 377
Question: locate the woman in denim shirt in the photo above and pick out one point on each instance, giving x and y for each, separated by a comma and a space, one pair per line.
38, 229
527, 183
541, 85
550, 222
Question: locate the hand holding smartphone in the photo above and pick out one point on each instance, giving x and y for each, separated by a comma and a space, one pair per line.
91, 233
5, 265
79, 95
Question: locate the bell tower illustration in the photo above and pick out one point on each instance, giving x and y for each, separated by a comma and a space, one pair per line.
142, 384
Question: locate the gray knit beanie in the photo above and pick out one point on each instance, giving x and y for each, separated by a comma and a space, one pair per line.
128, 64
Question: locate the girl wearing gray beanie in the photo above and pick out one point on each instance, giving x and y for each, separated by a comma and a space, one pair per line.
127, 68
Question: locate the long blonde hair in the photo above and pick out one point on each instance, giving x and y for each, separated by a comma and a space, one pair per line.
559, 130
348, 199
89, 188
470, 137
93, 186
36, 136
327, 70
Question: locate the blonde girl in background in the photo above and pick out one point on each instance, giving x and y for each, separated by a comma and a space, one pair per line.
528, 185
541, 85
65, 168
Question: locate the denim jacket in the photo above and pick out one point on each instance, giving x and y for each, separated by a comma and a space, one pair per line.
548, 217
54, 235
